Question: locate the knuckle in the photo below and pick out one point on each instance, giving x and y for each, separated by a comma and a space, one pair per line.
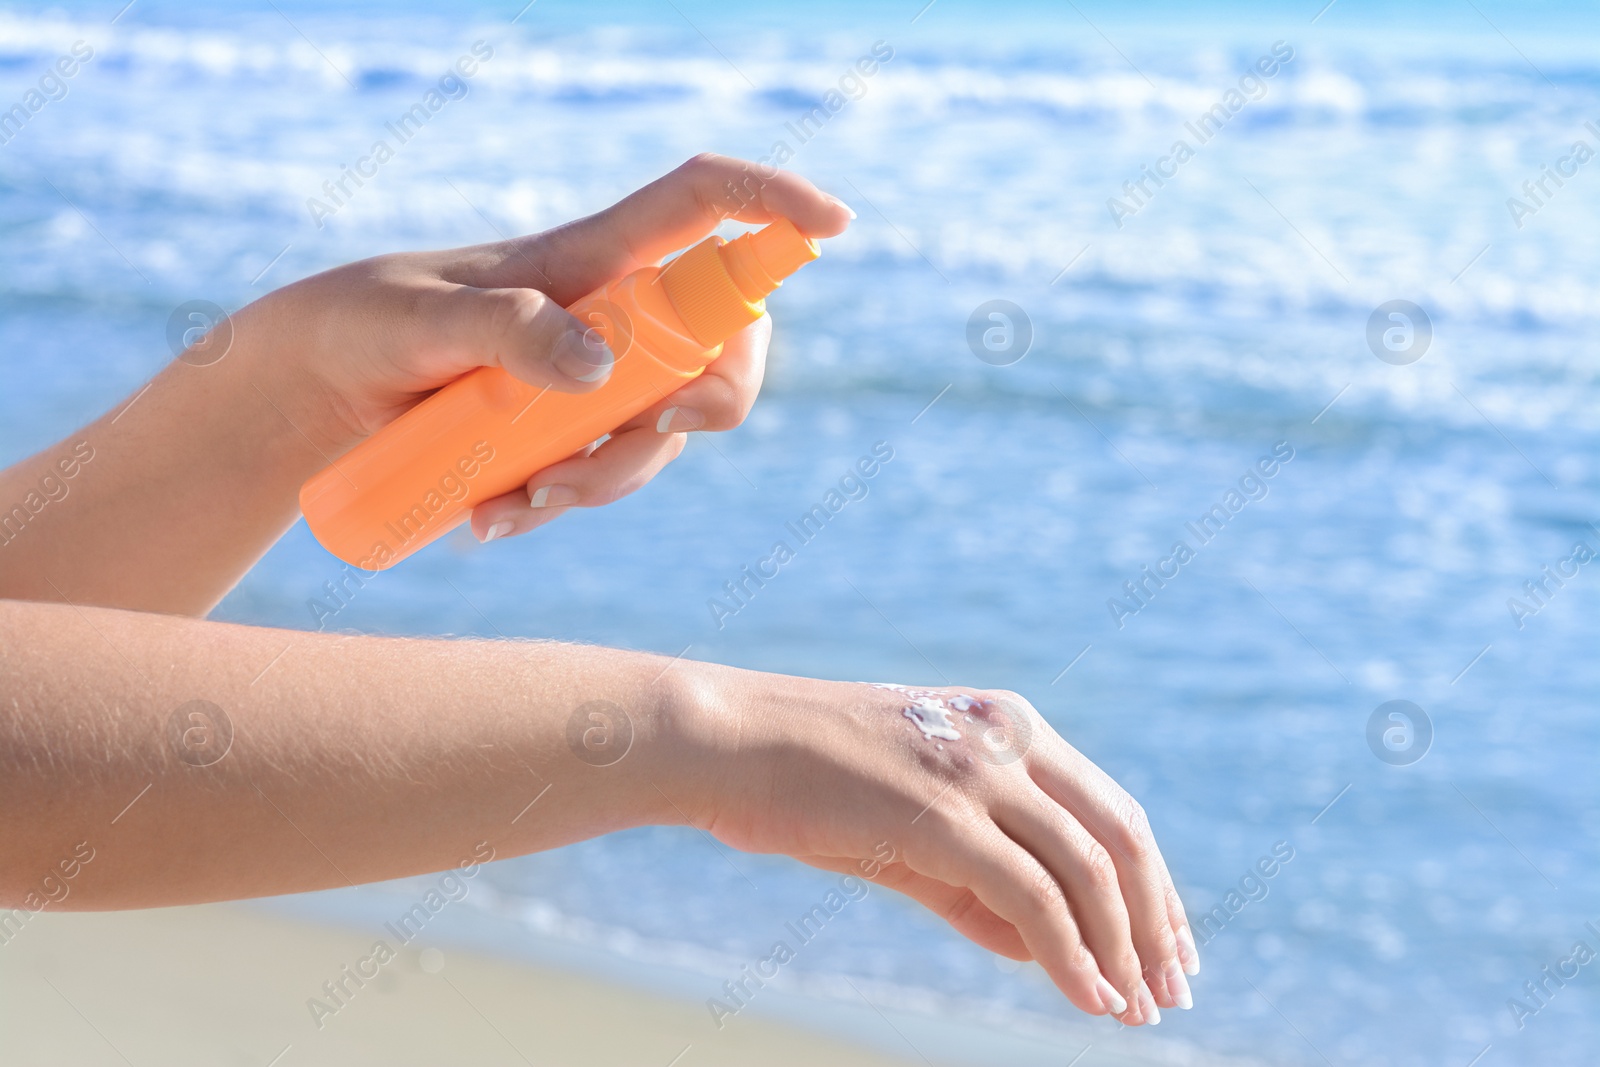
1154, 975
1043, 892
614, 489
699, 169
961, 907
705, 174
701, 163
724, 407
1081, 961
1132, 833
1174, 905
1010, 699
1121, 963
941, 823
1099, 872
385, 267
515, 310
715, 419
428, 304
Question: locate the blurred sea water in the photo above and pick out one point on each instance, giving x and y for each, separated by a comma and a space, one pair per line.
1225, 317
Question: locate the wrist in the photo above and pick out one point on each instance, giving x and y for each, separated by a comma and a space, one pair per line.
277, 349
703, 741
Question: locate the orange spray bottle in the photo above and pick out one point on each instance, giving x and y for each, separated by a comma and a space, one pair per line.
487, 433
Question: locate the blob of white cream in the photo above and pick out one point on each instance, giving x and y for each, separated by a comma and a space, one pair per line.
933, 719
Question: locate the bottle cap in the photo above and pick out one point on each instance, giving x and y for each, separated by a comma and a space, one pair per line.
717, 286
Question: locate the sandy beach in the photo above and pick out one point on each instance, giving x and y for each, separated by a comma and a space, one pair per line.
229, 985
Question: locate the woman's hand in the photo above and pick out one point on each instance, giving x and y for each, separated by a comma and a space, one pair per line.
991, 820
364, 343
184, 485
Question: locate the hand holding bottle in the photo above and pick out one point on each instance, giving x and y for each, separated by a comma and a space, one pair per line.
433, 317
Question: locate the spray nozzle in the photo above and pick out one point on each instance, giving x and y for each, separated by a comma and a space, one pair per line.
717, 286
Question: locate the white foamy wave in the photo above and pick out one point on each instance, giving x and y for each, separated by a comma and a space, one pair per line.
606, 64
975, 170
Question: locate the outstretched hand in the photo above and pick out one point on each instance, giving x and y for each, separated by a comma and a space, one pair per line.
993, 821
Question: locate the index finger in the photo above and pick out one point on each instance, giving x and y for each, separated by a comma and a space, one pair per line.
1073, 781
671, 212
725, 393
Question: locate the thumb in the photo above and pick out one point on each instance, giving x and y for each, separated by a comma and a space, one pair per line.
529, 336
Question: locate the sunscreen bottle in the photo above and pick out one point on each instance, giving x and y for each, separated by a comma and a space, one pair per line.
486, 433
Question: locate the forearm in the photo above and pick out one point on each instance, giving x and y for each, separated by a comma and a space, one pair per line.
175, 492
353, 759
319, 761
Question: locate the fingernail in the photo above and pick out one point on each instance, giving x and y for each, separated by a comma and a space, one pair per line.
499, 529
1110, 999
1187, 951
1147, 1005
848, 209
1178, 985
583, 356
552, 496
679, 420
